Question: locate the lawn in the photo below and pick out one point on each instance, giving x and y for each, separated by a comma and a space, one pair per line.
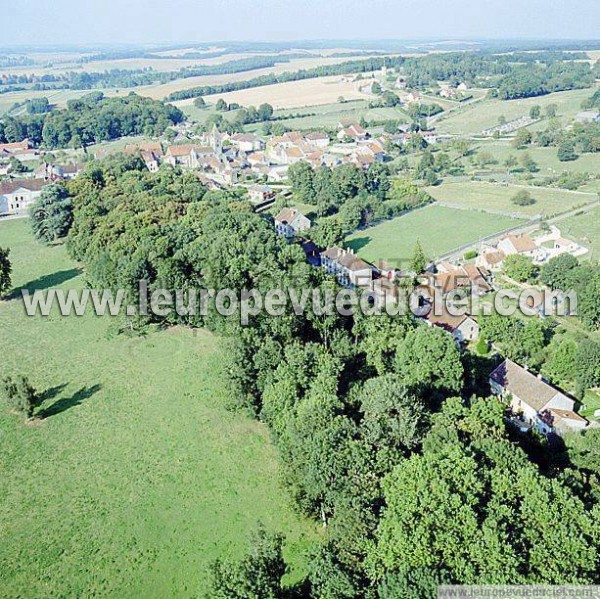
584, 228
472, 119
138, 476
439, 230
496, 197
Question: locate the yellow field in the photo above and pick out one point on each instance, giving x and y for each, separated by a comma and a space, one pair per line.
294, 94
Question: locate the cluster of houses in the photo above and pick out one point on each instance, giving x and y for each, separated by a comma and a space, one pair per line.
17, 194
539, 250
223, 157
533, 403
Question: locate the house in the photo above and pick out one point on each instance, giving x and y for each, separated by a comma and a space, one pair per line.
490, 259
18, 194
349, 269
188, 156
353, 131
518, 244
317, 139
413, 97
151, 160
247, 142
22, 150
289, 222
535, 402
462, 87
54, 172
259, 194
463, 327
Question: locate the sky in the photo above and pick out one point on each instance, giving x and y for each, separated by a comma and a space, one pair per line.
174, 21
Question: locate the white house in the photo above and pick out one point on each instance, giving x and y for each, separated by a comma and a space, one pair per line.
17, 195
247, 142
349, 268
519, 244
289, 222
536, 403
259, 194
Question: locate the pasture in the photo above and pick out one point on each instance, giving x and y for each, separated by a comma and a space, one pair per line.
546, 158
496, 197
438, 229
586, 229
473, 118
137, 477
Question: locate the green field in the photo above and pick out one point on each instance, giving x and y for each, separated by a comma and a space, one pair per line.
496, 197
584, 228
472, 119
138, 476
546, 158
439, 230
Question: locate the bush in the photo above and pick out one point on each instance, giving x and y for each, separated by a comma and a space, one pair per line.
20, 395
522, 198
482, 347
469, 255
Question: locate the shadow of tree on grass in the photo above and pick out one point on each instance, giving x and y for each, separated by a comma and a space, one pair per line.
69, 402
46, 282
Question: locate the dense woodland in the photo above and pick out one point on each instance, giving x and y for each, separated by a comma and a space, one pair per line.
386, 432
91, 119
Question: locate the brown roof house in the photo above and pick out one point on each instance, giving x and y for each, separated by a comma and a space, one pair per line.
350, 270
289, 222
463, 328
537, 404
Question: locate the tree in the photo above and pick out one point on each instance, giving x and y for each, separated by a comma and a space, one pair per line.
301, 176
510, 163
257, 576
535, 111
265, 112
5, 271
418, 261
520, 268
522, 139
429, 358
221, 105
566, 151
16, 166
523, 198
376, 88
19, 393
551, 110
327, 232
528, 163
393, 419
556, 272
464, 509
52, 213
462, 146
199, 102
485, 158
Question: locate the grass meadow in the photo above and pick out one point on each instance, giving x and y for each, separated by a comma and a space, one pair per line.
438, 229
479, 195
137, 477
472, 119
586, 229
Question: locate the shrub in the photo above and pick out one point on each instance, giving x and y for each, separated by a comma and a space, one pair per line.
470, 254
20, 395
522, 198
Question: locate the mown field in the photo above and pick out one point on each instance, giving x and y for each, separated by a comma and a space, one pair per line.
138, 476
439, 230
496, 197
586, 229
472, 119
